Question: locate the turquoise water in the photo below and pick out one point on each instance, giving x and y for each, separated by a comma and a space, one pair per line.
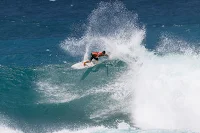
149, 84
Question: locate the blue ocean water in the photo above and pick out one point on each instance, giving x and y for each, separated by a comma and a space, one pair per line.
149, 84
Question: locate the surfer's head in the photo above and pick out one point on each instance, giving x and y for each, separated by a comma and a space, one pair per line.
104, 52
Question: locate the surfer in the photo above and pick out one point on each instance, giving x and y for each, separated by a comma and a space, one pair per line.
95, 55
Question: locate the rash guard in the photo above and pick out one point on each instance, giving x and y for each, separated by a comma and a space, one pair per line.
97, 54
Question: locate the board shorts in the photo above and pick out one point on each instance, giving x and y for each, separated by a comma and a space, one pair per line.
92, 57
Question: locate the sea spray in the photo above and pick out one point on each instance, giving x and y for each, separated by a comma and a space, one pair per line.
111, 27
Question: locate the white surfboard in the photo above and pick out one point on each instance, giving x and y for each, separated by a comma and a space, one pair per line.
80, 65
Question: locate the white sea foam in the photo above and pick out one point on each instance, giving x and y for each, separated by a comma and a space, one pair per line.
166, 91
4, 126
121, 128
5, 129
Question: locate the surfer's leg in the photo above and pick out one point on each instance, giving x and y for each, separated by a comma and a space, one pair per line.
96, 59
92, 57
86, 62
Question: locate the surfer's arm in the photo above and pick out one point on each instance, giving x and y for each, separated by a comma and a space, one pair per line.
105, 55
101, 55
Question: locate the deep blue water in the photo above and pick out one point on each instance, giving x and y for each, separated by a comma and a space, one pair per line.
41, 39
33, 27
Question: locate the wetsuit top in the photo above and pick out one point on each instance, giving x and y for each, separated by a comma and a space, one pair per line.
97, 54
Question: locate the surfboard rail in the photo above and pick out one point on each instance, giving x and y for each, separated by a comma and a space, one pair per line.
80, 65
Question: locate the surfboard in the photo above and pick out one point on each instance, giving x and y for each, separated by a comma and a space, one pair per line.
80, 65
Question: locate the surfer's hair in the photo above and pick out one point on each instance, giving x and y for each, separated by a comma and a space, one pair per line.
104, 52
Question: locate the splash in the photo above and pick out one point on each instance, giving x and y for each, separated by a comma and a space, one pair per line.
111, 27
172, 44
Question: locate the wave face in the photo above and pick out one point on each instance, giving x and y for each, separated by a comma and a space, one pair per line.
143, 87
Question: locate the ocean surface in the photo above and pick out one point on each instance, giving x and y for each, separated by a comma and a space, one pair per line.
149, 84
